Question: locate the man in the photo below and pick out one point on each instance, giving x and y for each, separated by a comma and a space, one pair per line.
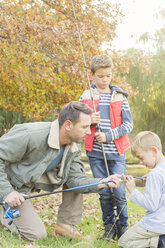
45, 155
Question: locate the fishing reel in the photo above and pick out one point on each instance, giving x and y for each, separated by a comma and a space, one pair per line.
11, 214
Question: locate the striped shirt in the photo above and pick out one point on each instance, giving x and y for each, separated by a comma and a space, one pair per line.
112, 134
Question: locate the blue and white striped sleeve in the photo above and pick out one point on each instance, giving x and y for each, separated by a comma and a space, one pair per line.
126, 125
81, 99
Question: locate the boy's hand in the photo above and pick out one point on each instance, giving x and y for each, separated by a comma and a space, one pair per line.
144, 177
101, 137
130, 184
15, 199
95, 118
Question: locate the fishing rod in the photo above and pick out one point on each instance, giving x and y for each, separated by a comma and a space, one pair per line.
116, 217
140, 178
63, 190
74, 188
11, 213
114, 206
69, 189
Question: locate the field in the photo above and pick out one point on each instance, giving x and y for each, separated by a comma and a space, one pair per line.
90, 227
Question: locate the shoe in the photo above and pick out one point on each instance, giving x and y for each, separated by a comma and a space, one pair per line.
64, 229
123, 229
110, 232
161, 243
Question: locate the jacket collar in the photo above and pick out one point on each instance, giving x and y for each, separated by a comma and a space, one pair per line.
53, 138
113, 88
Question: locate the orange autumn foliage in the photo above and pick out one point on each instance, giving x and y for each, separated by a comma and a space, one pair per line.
40, 55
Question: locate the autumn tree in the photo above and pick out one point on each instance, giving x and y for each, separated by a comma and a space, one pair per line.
40, 56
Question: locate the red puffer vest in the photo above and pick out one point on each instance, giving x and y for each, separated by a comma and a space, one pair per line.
122, 144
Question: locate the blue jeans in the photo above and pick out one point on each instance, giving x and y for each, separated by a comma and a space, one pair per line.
99, 170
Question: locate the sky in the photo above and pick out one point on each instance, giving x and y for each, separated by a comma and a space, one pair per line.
140, 17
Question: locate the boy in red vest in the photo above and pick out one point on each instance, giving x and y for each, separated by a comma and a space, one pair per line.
115, 121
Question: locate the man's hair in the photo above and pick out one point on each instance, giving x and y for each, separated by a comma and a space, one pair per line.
144, 141
72, 111
101, 61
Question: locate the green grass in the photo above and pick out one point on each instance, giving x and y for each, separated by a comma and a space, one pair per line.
90, 227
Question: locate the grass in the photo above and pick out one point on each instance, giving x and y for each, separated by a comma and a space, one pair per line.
90, 227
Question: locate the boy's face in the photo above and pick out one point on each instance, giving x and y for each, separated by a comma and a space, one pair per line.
102, 78
148, 158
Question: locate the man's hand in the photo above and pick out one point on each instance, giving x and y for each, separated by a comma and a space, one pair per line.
116, 180
101, 137
95, 118
130, 184
15, 199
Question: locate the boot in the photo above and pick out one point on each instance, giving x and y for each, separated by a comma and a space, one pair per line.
161, 241
110, 232
64, 229
123, 229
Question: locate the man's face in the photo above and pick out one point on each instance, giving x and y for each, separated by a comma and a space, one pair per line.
102, 78
79, 131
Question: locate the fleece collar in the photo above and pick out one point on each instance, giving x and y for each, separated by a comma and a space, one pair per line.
113, 88
53, 138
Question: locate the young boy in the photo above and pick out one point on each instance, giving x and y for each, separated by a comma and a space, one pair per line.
115, 121
147, 147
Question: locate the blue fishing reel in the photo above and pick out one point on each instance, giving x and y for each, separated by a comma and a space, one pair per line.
11, 214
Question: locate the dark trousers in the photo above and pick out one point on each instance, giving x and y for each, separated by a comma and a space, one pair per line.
161, 243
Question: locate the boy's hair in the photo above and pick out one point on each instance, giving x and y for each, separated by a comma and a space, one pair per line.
101, 61
72, 111
144, 141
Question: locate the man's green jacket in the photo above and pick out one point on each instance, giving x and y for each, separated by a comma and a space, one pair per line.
26, 151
